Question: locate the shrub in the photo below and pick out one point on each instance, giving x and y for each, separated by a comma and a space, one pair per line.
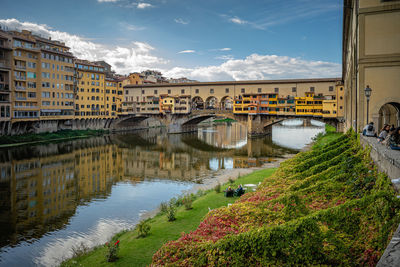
328, 206
171, 212
163, 207
231, 180
112, 251
79, 250
217, 188
143, 228
187, 201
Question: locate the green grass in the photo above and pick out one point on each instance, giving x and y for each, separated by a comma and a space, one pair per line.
324, 138
139, 251
225, 120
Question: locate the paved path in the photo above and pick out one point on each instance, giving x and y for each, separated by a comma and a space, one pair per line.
388, 161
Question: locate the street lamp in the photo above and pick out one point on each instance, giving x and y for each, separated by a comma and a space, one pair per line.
367, 91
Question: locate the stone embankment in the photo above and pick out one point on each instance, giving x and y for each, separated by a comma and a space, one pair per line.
387, 161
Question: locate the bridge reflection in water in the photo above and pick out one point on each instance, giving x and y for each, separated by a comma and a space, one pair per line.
43, 186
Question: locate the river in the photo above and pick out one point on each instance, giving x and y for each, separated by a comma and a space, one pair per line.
59, 195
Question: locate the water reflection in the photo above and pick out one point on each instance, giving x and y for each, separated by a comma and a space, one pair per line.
55, 196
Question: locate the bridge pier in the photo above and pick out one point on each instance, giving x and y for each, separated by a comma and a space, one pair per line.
255, 125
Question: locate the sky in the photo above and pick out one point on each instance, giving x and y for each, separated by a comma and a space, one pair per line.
205, 40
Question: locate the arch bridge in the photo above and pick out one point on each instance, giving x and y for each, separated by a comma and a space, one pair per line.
257, 124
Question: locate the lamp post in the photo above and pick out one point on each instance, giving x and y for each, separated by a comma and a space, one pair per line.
367, 91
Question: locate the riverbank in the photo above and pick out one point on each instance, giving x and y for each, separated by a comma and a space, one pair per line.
28, 139
139, 251
136, 251
328, 206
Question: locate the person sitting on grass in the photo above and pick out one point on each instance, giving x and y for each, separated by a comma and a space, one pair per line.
229, 192
239, 191
394, 140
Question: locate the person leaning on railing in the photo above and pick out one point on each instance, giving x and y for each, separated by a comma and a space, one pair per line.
394, 139
384, 132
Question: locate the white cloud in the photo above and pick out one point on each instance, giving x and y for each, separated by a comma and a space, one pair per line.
224, 57
256, 67
139, 56
225, 49
130, 27
181, 21
144, 5
186, 52
124, 59
238, 21
107, 1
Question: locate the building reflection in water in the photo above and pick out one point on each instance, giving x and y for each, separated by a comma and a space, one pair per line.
42, 186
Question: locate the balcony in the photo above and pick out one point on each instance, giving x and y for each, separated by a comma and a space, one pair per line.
20, 67
20, 98
21, 78
5, 64
20, 88
4, 87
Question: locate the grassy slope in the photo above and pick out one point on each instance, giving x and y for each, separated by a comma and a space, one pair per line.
326, 206
139, 251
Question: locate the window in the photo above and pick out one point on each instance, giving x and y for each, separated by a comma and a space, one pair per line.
211, 91
46, 85
330, 88
169, 91
197, 91
294, 89
341, 98
155, 92
276, 90
31, 85
243, 90
31, 65
312, 89
226, 90
31, 94
46, 75
182, 91
31, 75
259, 90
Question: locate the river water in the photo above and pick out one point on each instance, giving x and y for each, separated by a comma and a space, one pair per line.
56, 196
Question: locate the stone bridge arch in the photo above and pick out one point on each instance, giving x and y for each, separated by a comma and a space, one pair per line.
197, 103
211, 102
226, 103
386, 110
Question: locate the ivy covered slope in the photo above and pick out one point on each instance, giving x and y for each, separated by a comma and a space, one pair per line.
326, 206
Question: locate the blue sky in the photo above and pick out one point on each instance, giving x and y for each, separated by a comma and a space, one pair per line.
205, 40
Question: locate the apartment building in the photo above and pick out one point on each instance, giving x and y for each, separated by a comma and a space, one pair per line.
5, 80
90, 97
112, 98
42, 78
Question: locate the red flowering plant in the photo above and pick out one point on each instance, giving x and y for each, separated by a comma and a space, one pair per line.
112, 251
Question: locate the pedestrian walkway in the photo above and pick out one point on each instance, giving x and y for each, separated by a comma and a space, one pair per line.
387, 160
